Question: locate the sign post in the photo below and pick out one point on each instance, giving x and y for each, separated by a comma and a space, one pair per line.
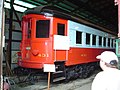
48, 80
49, 68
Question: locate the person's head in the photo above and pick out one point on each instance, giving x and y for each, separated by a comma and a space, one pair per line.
108, 59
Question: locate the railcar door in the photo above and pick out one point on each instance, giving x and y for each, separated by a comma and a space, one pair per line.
41, 45
61, 40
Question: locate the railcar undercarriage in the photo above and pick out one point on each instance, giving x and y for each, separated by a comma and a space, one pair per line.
80, 71
62, 72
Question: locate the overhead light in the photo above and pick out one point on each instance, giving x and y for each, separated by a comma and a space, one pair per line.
24, 4
48, 14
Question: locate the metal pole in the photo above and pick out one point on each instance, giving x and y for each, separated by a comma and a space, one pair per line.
1, 42
119, 18
117, 2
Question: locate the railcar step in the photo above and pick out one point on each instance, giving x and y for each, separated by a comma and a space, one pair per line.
58, 72
59, 79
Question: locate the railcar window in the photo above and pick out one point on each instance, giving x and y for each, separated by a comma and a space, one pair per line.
61, 29
87, 38
94, 40
78, 37
104, 41
100, 40
112, 43
42, 28
108, 42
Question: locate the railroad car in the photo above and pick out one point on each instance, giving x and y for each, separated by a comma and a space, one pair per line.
50, 36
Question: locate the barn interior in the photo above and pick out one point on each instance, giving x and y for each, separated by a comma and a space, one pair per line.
102, 13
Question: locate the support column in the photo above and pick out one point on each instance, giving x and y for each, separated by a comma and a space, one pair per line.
1, 42
119, 18
117, 2
10, 33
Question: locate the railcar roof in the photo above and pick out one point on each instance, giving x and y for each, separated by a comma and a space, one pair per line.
57, 12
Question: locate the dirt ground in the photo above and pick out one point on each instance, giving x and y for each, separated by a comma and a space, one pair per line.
78, 84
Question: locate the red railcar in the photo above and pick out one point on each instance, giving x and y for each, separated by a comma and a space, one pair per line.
52, 37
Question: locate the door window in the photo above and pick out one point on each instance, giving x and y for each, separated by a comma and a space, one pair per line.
42, 28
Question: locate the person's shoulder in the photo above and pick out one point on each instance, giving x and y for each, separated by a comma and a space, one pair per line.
100, 74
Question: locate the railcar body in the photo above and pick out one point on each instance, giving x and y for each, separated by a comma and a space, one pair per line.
47, 39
